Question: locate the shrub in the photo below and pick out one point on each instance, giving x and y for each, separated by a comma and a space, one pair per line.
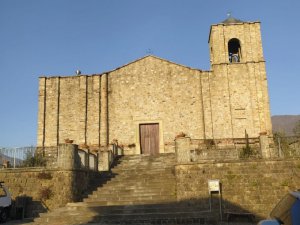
209, 143
131, 145
35, 160
45, 176
246, 152
45, 193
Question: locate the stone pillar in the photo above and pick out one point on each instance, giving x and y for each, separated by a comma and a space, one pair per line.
104, 112
93, 162
86, 150
51, 111
41, 113
104, 161
68, 158
82, 110
182, 148
264, 146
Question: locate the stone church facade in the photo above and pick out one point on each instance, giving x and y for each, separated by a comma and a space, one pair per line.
143, 105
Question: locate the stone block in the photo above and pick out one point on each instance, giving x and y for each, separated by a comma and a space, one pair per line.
182, 148
68, 157
104, 160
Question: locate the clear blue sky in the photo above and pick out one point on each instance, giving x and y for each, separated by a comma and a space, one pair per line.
55, 37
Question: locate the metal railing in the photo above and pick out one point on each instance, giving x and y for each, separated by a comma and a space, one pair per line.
15, 157
287, 146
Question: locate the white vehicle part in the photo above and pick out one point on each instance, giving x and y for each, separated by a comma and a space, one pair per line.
5, 197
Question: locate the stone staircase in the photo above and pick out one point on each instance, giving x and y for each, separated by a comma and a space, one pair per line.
139, 190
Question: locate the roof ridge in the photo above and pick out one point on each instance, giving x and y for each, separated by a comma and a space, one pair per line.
146, 56
231, 19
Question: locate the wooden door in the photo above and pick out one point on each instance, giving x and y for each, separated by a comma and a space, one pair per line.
149, 138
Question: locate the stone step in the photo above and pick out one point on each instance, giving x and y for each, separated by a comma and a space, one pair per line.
145, 177
127, 202
145, 162
133, 191
139, 171
173, 206
133, 198
145, 166
77, 213
134, 194
138, 190
127, 182
132, 210
150, 216
136, 171
147, 157
141, 161
148, 213
150, 221
138, 183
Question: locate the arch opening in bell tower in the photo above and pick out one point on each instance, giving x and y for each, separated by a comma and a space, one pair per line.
234, 50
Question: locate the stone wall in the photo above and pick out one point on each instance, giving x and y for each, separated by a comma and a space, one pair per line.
152, 90
69, 108
221, 103
33, 185
238, 92
249, 186
198, 150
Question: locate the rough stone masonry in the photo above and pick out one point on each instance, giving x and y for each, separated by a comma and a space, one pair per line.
224, 102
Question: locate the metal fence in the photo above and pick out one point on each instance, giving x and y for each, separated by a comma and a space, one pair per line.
15, 157
287, 146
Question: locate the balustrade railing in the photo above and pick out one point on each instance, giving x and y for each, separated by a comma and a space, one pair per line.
16, 157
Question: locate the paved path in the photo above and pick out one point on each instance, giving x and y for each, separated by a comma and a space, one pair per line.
26, 221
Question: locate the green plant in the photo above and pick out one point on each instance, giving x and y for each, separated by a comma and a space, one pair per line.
254, 183
180, 135
131, 145
230, 176
285, 183
35, 160
253, 167
246, 152
296, 129
281, 141
210, 143
45, 176
46, 193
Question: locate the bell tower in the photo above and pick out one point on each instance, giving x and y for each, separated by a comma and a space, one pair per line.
235, 41
238, 81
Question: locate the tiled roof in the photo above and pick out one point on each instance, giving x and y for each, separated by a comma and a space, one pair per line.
230, 19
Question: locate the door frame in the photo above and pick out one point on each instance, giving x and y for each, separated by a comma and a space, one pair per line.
137, 135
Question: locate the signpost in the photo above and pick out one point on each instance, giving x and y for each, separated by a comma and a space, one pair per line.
215, 187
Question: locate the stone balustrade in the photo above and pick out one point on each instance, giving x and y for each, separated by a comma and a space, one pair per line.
192, 150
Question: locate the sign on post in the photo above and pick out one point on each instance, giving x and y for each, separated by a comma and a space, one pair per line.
213, 186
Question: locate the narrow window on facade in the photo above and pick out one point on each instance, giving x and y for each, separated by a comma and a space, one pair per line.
234, 50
